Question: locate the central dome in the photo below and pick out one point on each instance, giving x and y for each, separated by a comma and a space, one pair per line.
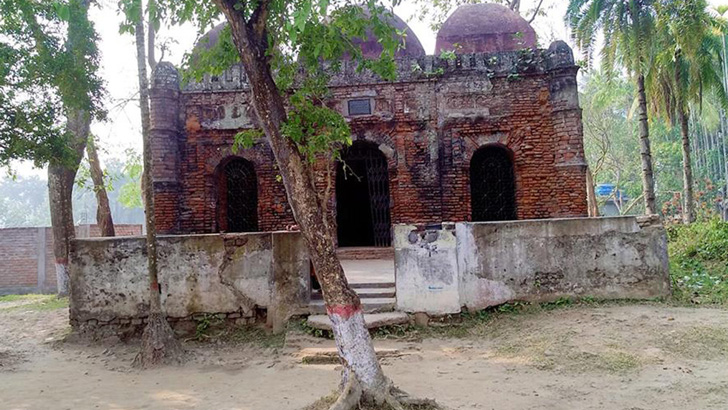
485, 28
370, 46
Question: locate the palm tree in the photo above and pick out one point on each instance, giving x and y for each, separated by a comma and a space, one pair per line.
628, 28
687, 66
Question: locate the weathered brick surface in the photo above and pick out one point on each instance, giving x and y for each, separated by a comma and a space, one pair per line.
428, 124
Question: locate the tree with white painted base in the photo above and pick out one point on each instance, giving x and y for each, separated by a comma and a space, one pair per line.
282, 45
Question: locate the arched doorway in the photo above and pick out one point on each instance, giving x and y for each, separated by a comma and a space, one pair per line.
238, 197
492, 185
362, 197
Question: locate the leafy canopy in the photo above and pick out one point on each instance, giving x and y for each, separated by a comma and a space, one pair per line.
44, 75
688, 63
627, 26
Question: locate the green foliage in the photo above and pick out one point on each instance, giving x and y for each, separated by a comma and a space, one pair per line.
45, 73
130, 193
204, 324
699, 261
315, 128
627, 28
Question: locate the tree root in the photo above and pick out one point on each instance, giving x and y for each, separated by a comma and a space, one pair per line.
392, 398
159, 344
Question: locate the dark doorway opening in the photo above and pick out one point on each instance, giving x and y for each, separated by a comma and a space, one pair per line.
362, 197
238, 197
492, 185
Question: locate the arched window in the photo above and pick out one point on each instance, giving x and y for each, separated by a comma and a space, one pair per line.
238, 197
362, 197
492, 185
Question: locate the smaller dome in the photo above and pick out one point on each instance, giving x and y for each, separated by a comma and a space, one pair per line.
485, 28
371, 48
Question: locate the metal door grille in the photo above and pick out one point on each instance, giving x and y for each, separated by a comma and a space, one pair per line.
242, 196
492, 185
378, 185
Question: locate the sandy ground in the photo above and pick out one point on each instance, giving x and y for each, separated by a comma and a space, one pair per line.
611, 357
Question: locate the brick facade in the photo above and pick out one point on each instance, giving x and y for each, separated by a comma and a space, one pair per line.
428, 124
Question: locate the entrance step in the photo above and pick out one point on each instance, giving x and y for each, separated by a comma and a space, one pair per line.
373, 305
366, 292
372, 321
365, 253
319, 355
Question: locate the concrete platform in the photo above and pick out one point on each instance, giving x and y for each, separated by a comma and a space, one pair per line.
369, 271
372, 320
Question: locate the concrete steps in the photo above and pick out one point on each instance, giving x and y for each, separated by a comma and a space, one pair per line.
376, 297
365, 253
369, 305
386, 290
372, 321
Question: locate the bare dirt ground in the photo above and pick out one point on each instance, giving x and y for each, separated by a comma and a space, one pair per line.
635, 357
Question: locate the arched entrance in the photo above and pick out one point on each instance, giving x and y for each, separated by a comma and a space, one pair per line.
492, 185
238, 197
362, 197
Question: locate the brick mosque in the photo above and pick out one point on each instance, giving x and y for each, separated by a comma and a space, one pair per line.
493, 134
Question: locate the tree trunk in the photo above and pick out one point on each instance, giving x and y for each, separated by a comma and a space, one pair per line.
591, 195
103, 210
648, 178
61, 176
688, 213
159, 345
354, 343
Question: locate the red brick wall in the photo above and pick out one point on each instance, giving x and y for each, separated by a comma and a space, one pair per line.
416, 123
19, 250
22, 249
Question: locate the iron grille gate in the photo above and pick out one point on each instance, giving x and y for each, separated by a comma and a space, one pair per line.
377, 177
242, 196
492, 185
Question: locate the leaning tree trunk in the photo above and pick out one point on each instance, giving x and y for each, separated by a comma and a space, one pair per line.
61, 177
103, 210
159, 344
648, 177
362, 374
689, 200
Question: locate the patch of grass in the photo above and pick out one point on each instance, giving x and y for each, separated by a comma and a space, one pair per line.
611, 361
698, 267
477, 323
258, 336
37, 303
214, 330
548, 352
23, 298
698, 343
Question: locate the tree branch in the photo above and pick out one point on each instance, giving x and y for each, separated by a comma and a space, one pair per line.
535, 12
259, 19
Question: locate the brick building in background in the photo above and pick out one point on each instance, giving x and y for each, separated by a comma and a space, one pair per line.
491, 133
